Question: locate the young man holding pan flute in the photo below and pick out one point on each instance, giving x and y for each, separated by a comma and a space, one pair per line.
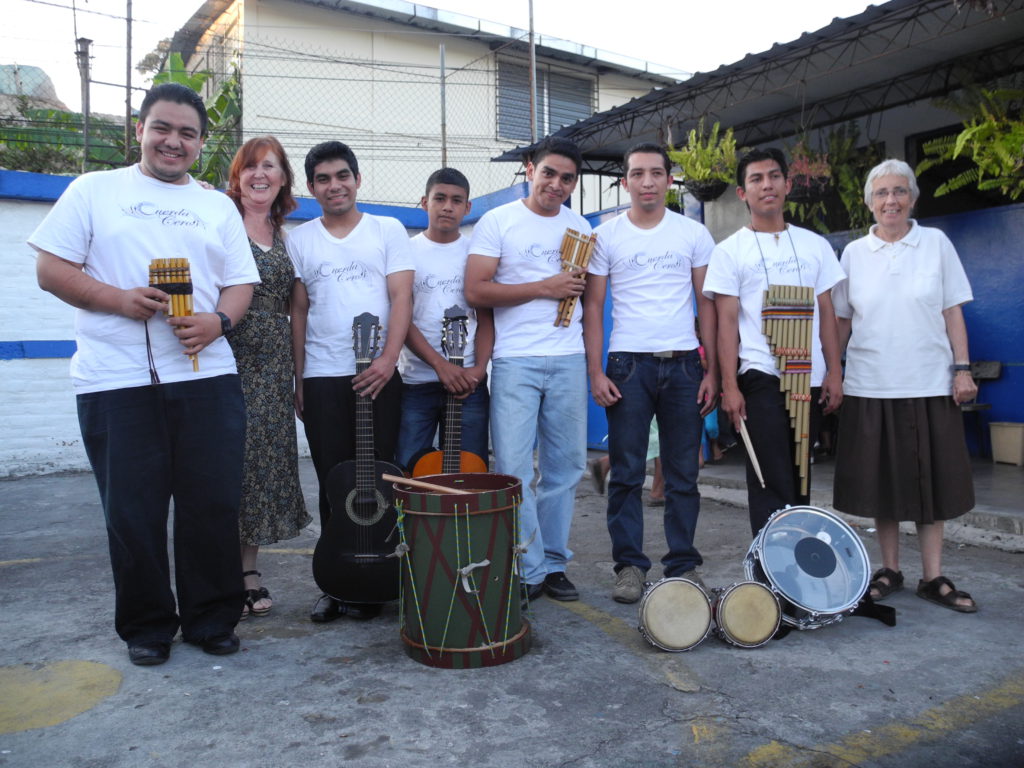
653, 260
153, 427
538, 373
769, 252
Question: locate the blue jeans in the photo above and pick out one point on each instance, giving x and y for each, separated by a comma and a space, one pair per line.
423, 412
147, 445
665, 388
541, 401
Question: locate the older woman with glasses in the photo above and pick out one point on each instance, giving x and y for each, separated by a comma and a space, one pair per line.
902, 454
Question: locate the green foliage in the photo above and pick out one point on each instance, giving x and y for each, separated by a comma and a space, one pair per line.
992, 138
850, 166
707, 158
52, 141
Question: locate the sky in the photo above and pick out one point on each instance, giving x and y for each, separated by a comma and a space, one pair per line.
686, 36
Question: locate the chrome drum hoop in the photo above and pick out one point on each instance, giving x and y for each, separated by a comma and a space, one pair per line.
747, 614
813, 561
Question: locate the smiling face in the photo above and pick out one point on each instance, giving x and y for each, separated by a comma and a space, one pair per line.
260, 182
764, 189
646, 180
891, 202
552, 181
170, 141
334, 187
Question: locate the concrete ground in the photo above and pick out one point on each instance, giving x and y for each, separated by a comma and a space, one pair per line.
939, 689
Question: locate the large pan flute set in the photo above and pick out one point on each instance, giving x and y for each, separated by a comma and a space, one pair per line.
576, 250
173, 276
787, 321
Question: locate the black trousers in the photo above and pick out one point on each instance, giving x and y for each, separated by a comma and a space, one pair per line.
329, 412
772, 437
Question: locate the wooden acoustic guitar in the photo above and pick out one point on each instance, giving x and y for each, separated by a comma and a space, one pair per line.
451, 458
350, 562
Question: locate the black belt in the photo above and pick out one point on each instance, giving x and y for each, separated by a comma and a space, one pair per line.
268, 304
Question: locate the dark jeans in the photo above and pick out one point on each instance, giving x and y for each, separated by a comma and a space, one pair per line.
665, 388
772, 438
329, 413
424, 409
147, 445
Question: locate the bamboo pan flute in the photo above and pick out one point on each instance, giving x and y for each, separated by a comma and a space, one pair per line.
576, 250
787, 321
173, 276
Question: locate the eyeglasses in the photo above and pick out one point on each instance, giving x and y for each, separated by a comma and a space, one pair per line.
897, 192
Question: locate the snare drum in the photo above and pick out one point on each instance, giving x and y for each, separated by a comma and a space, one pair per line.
813, 561
747, 614
675, 615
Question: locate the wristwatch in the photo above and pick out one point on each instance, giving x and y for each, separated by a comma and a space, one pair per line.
225, 323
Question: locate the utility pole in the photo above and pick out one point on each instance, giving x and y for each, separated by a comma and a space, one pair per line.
533, 82
128, 88
82, 54
444, 115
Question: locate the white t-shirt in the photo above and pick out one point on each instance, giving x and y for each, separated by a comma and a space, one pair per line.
116, 223
746, 262
895, 294
528, 248
650, 275
345, 278
440, 274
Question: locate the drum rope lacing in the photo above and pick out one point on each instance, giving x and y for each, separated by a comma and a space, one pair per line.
402, 551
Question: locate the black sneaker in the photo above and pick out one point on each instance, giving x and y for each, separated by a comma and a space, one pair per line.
559, 587
529, 592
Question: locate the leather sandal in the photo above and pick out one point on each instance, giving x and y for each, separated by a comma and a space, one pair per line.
932, 592
253, 596
885, 581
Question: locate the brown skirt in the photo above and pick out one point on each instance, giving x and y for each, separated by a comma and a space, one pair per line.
902, 459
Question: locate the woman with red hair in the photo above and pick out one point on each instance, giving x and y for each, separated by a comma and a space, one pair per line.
272, 509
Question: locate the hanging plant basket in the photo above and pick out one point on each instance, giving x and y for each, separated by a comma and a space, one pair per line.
706, 191
808, 189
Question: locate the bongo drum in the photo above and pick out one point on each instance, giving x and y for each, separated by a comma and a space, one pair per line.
460, 591
675, 615
747, 614
813, 561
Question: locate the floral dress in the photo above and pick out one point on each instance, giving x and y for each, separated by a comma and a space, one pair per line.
272, 507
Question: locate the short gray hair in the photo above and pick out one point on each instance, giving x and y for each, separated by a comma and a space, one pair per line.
896, 168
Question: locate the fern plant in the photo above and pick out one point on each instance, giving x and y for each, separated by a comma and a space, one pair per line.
992, 138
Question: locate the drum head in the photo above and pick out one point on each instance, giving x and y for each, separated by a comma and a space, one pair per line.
675, 615
748, 614
812, 558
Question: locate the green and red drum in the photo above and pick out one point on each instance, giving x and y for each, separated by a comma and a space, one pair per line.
460, 588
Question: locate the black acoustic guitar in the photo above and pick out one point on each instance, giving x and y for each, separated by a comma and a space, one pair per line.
350, 562
451, 458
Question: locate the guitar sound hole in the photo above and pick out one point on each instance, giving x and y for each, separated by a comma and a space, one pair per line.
365, 508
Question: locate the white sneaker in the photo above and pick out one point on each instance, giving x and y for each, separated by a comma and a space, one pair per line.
629, 585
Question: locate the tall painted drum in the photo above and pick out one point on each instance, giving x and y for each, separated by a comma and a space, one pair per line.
460, 589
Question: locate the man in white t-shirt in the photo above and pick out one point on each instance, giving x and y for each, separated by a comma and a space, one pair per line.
538, 374
346, 263
154, 426
654, 262
771, 252
428, 377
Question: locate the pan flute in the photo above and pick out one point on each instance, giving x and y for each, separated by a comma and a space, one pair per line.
787, 321
174, 277
576, 250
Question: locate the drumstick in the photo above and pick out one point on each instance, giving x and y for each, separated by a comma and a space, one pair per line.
424, 486
750, 452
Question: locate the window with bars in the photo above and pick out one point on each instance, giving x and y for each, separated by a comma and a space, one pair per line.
562, 99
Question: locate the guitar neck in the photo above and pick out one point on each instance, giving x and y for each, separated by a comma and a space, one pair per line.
365, 480
451, 454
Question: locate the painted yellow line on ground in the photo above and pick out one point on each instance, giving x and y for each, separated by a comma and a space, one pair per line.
671, 665
24, 561
942, 721
37, 697
285, 551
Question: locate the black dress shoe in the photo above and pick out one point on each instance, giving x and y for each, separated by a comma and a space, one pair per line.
149, 654
221, 645
361, 611
326, 609
558, 586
